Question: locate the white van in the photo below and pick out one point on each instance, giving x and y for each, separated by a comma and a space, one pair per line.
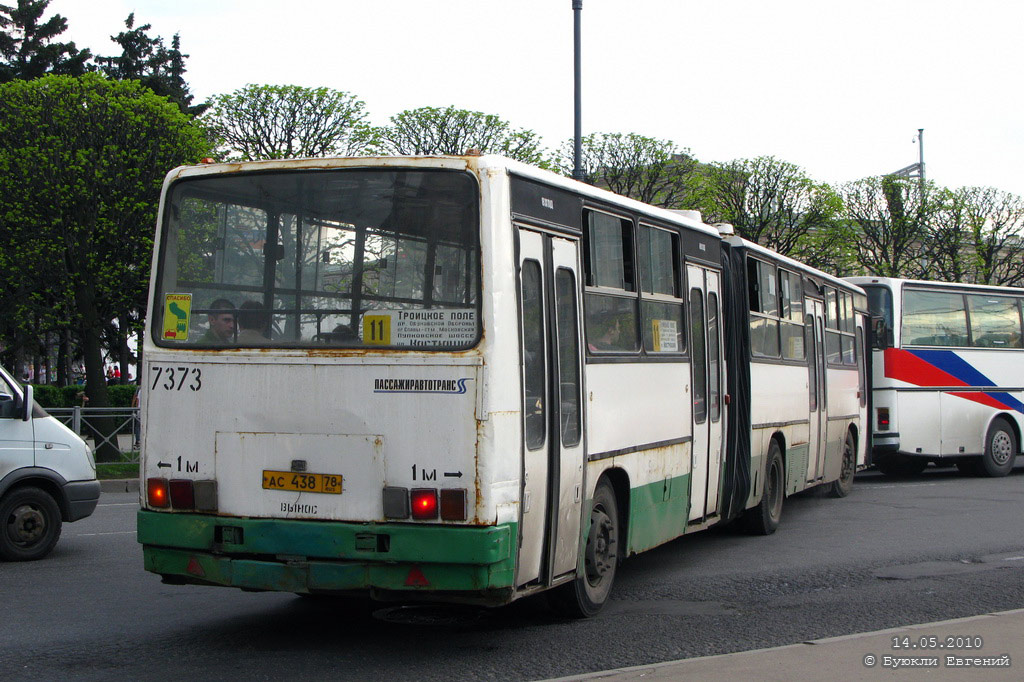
47, 475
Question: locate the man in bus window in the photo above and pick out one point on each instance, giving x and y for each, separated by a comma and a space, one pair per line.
253, 324
608, 334
222, 323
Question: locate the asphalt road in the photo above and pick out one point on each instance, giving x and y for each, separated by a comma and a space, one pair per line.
893, 553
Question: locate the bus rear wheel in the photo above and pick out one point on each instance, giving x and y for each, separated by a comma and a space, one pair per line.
1000, 449
841, 487
764, 518
587, 593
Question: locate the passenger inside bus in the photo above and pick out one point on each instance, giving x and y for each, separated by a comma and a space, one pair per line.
607, 333
342, 334
253, 324
222, 324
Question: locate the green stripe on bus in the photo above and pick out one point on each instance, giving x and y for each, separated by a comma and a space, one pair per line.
658, 512
327, 576
369, 542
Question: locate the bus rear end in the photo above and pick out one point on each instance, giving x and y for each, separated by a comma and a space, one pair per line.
314, 370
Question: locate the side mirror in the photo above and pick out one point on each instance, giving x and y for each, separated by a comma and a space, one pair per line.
27, 403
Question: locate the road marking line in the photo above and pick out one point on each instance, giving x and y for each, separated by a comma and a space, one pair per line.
118, 504
116, 532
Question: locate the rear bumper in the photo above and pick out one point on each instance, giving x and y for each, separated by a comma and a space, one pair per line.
317, 556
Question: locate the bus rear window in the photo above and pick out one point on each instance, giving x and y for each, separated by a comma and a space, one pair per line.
343, 258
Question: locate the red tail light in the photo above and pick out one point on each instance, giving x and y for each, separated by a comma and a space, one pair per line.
883, 418
424, 503
182, 495
453, 504
156, 492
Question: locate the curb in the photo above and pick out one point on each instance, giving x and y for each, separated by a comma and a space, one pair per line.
119, 485
795, 666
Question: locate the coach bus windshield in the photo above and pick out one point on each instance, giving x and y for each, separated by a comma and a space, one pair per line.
880, 303
343, 258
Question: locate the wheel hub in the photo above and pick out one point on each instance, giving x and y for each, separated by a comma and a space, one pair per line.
27, 524
1001, 447
600, 556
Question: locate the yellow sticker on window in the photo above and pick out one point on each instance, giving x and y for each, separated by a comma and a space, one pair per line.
377, 330
177, 310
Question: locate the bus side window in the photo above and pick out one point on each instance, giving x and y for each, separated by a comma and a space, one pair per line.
611, 304
764, 309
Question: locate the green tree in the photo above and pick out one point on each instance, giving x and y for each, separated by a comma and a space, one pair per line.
772, 202
27, 47
994, 222
891, 216
81, 165
287, 121
644, 168
431, 130
947, 247
145, 59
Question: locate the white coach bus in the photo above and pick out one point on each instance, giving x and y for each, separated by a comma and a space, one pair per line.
466, 379
948, 375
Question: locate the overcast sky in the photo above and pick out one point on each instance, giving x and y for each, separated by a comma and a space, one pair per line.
837, 88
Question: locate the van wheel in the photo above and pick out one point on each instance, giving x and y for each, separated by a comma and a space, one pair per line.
842, 486
1000, 449
30, 526
587, 593
764, 518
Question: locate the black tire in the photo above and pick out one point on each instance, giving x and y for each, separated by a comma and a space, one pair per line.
1000, 449
841, 486
764, 518
29, 525
587, 593
901, 465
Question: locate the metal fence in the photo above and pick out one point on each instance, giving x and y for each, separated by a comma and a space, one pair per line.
124, 436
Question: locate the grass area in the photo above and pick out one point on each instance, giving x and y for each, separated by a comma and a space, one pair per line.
117, 470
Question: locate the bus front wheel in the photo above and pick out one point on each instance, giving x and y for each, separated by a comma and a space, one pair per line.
764, 518
587, 593
1000, 449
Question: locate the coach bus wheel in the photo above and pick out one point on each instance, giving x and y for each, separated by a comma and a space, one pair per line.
764, 518
29, 525
1000, 449
584, 596
841, 487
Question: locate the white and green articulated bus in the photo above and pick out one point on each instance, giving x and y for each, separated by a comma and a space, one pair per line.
465, 379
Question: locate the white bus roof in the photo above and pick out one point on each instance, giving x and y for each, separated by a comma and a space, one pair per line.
899, 283
844, 284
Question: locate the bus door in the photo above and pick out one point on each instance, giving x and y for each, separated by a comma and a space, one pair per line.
706, 381
818, 400
552, 475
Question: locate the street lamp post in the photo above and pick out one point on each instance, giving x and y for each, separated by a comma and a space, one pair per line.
577, 163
